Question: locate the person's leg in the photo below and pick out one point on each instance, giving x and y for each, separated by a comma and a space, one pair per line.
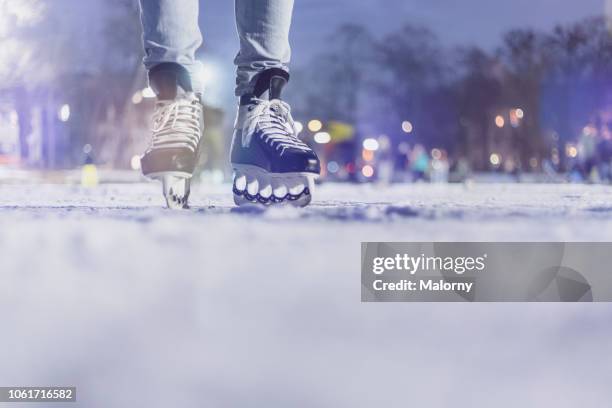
263, 29
172, 36
271, 164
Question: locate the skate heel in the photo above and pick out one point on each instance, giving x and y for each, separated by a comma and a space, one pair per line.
255, 186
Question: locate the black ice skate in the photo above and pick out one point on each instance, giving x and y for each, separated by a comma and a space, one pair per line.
177, 129
271, 165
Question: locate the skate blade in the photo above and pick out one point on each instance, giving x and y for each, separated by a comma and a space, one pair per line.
254, 186
176, 187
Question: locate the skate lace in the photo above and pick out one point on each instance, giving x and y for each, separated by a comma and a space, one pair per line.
177, 124
273, 119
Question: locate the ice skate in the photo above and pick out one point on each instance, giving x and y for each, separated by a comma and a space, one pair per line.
271, 164
177, 129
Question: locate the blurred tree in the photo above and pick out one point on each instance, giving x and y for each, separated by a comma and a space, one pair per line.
579, 77
119, 76
559, 80
18, 54
334, 89
85, 54
477, 88
413, 84
20, 49
88, 55
525, 67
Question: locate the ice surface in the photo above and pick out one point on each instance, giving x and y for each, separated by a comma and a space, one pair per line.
221, 307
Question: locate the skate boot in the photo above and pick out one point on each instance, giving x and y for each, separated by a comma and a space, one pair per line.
177, 128
271, 165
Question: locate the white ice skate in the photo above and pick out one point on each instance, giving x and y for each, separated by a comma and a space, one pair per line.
173, 152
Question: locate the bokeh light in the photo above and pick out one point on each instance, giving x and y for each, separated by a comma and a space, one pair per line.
519, 113
322, 137
500, 121
370, 144
407, 126
367, 171
315, 125
495, 159
367, 155
135, 162
137, 97
64, 113
333, 167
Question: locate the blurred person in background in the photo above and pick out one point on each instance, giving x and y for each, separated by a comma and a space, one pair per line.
604, 152
402, 162
385, 161
271, 165
419, 163
587, 151
461, 170
439, 167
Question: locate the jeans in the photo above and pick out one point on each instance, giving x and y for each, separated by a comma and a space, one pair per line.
171, 34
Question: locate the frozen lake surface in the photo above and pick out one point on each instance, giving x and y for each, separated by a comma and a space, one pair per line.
217, 307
